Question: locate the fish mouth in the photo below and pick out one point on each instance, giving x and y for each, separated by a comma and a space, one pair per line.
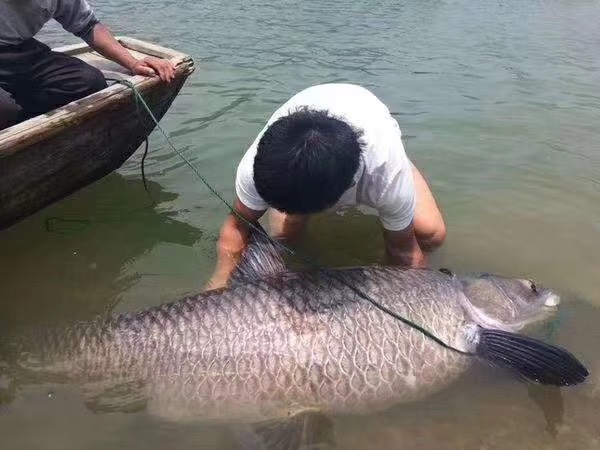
551, 300
546, 308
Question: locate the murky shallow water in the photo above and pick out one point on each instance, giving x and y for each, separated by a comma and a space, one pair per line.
499, 105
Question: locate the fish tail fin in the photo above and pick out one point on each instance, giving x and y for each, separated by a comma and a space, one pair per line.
532, 359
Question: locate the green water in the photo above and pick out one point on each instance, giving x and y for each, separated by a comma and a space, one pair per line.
499, 104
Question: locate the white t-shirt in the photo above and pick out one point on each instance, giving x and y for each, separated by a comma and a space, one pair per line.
384, 180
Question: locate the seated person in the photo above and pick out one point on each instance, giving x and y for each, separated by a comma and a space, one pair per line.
34, 79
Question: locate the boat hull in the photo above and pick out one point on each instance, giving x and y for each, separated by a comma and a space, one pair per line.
78, 144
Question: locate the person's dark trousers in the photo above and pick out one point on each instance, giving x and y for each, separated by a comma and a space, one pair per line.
34, 80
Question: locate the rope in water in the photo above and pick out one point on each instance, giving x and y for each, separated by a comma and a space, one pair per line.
140, 101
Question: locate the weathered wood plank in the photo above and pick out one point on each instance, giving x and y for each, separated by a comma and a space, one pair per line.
24, 135
95, 101
147, 48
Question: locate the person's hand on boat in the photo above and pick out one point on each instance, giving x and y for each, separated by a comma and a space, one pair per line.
151, 66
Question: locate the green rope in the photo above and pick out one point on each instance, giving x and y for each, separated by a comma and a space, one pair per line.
53, 225
140, 100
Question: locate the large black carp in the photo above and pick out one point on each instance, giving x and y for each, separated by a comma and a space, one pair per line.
276, 342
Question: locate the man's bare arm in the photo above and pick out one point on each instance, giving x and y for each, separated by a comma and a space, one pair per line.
105, 43
402, 248
233, 240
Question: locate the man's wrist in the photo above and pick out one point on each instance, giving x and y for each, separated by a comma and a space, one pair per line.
131, 63
409, 258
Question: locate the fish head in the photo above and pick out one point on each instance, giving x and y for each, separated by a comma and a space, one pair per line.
509, 304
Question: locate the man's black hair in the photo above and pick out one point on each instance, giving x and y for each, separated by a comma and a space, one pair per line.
305, 161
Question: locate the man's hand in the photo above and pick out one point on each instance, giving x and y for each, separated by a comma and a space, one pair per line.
105, 43
151, 66
233, 240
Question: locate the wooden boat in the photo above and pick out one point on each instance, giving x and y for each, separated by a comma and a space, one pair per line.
52, 155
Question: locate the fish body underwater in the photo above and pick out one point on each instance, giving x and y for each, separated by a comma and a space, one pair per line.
277, 342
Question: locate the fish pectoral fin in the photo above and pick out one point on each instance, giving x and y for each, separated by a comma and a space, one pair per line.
124, 397
303, 430
532, 359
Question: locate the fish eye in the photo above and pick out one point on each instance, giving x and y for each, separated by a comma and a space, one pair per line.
532, 286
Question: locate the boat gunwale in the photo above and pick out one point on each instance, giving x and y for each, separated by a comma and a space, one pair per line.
27, 133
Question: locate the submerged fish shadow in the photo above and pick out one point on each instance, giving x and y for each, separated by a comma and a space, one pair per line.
550, 400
